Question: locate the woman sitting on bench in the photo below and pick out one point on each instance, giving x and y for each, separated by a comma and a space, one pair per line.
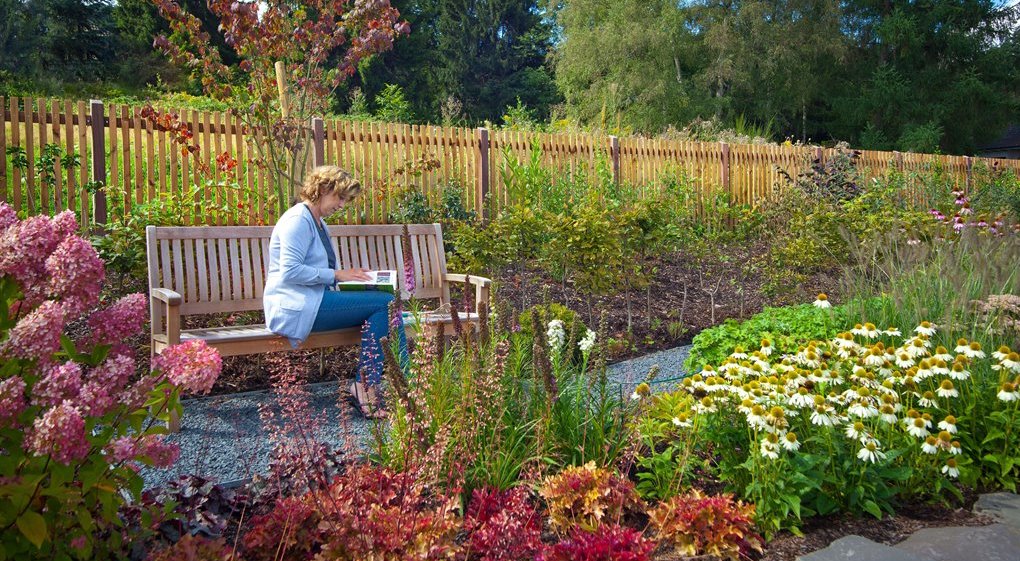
300, 295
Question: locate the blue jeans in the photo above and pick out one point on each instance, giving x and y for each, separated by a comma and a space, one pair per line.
370, 311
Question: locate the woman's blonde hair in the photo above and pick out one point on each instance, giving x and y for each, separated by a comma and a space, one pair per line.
323, 180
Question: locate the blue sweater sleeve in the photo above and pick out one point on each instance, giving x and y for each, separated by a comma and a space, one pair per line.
296, 239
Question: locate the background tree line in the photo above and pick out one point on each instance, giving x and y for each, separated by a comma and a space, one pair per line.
919, 75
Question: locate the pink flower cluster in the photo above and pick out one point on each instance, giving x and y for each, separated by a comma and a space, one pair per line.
153, 447
58, 382
36, 335
961, 219
75, 275
59, 432
105, 383
192, 365
12, 400
123, 318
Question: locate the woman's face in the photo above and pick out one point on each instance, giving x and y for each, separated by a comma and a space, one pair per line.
330, 203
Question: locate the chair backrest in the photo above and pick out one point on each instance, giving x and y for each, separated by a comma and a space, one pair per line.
223, 268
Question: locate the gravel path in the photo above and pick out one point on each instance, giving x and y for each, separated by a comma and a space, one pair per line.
222, 437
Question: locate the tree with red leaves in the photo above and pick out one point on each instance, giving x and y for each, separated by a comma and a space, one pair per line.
319, 42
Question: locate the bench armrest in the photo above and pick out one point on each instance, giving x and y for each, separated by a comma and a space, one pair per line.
482, 286
167, 296
165, 303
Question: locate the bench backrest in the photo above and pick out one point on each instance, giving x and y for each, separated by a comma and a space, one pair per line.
223, 268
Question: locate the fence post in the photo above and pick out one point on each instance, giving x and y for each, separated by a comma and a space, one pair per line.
898, 156
318, 142
614, 151
483, 172
725, 174
820, 155
969, 163
98, 124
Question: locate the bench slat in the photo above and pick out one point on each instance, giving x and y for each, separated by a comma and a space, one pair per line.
247, 279
259, 266
191, 272
178, 255
224, 269
234, 255
203, 270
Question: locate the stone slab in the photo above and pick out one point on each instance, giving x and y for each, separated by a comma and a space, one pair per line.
1004, 506
857, 548
995, 542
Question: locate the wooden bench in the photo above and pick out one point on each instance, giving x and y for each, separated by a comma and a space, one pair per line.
222, 269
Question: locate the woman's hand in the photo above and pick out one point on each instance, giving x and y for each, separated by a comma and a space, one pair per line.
355, 274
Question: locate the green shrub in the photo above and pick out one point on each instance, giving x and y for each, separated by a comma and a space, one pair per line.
785, 328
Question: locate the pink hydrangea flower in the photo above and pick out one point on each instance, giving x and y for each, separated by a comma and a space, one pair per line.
95, 399
36, 335
121, 449
135, 396
7, 216
24, 247
114, 373
12, 400
192, 365
162, 453
58, 382
65, 223
123, 318
60, 432
76, 275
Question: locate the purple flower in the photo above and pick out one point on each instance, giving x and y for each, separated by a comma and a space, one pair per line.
7, 216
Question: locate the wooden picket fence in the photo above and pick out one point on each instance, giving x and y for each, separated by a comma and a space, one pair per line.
140, 165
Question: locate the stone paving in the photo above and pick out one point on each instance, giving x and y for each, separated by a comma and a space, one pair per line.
995, 542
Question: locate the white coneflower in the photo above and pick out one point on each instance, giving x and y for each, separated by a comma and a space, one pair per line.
738, 353
930, 445
790, 442
587, 342
974, 351
870, 452
916, 348
745, 406
962, 346
822, 301
766, 347
769, 448
801, 399
824, 416
875, 357
862, 409
892, 332
1001, 353
682, 421
870, 331
916, 428
928, 400
855, 431
926, 328
946, 389
845, 341
950, 468
948, 424
888, 414
706, 405
904, 360
1008, 392
955, 448
941, 353
1012, 362
756, 418
924, 370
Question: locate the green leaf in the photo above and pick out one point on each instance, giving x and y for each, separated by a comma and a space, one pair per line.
871, 508
33, 526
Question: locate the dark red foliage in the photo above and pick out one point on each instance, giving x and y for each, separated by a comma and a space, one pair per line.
607, 543
502, 525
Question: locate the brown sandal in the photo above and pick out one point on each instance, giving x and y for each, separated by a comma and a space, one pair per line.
365, 403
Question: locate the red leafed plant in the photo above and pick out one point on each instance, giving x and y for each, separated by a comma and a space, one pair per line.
319, 42
586, 496
696, 524
502, 525
369, 512
606, 543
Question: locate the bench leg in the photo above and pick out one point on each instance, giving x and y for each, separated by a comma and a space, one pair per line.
174, 423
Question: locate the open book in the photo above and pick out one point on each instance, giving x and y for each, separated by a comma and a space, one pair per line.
384, 281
